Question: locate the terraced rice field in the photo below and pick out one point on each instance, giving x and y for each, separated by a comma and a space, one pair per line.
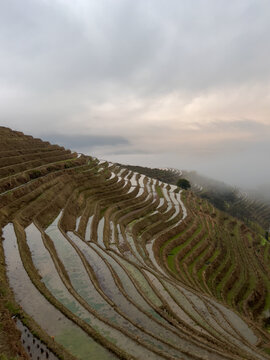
106, 263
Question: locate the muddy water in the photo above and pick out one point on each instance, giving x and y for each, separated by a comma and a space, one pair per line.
149, 196
173, 188
50, 277
120, 237
94, 260
187, 306
126, 184
220, 319
84, 287
169, 207
119, 179
174, 198
234, 338
123, 245
149, 245
147, 323
175, 308
108, 286
131, 189
140, 192
202, 314
88, 230
202, 309
121, 172
100, 230
149, 187
178, 197
154, 188
127, 249
104, 277
141, 281
166, 195
127, 175
77, 223
161, 203
151, 255
112, 176
168, 199
36, 349
133, 180
237, 323
114, 316
113, 244
233, 318
112, 240
46, 315
127, 283
141, 180
132, 244
176, 205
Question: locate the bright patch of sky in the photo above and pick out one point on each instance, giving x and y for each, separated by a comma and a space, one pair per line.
182, 84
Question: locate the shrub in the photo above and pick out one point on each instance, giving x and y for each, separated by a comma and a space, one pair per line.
183, 184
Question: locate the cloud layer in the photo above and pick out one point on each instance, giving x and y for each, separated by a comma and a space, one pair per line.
185, 85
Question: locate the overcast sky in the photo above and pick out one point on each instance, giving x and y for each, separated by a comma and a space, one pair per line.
161, 83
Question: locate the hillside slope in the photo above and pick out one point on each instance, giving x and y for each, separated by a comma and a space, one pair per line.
106, 263
252, 207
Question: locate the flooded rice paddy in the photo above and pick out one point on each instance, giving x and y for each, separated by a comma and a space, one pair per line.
41, 310
112, 283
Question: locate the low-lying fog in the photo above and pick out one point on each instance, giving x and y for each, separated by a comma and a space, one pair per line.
242, 166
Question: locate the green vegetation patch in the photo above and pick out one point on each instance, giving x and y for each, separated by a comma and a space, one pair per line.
178, 248
263, 241
159, 191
